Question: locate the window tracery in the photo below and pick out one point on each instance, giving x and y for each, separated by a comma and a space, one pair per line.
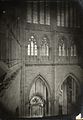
67, 48
44, 49
61, 48
32, 46
36, 100
73, 50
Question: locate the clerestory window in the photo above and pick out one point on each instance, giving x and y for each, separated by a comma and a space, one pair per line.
68, 15
38, 13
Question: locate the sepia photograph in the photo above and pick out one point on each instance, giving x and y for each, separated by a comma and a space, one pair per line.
41, 59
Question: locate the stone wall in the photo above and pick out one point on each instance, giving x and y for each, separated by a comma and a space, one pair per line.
10, 99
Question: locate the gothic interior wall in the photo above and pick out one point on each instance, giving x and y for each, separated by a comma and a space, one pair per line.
41, 59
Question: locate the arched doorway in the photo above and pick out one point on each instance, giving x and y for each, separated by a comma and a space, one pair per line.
39, 98
70, 96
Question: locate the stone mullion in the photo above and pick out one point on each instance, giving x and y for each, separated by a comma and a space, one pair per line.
30, 48
66, 15
60, 14
71, 15
33, 49
74, 16
62, 50
32, 11
45, 12
38, 8
45, 49
78, 18
63, 14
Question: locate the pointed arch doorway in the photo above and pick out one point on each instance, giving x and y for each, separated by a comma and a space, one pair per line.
39, 98
70, 96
